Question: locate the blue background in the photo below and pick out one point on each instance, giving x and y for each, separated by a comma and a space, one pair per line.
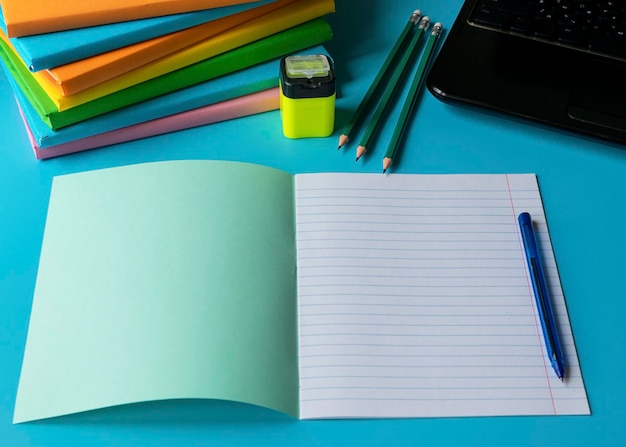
583, 184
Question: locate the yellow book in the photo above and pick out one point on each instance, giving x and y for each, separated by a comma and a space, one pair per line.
75, 77
283, 18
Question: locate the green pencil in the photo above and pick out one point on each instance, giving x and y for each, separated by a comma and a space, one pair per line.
390, 89
411, 99
345, 135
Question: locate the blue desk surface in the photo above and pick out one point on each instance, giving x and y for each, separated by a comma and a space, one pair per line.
583, 184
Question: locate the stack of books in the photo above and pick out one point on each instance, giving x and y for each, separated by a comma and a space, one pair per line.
91, 74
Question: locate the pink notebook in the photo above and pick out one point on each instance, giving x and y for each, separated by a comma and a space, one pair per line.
251, 104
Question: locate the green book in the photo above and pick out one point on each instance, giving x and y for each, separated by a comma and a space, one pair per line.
292, 40
323, 295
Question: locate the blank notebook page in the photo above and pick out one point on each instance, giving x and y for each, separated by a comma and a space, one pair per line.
415, 301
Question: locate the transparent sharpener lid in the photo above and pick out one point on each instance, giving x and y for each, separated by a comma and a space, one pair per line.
307, 66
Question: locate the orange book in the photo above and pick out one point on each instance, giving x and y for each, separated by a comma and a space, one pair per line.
291, 15
27, 17
77, 76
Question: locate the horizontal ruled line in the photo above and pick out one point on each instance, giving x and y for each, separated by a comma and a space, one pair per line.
349, 334
414, 388
438, 399
486, 377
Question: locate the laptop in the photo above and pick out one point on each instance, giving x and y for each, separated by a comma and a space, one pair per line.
561, 63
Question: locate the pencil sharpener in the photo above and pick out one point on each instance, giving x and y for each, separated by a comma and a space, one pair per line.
307, 96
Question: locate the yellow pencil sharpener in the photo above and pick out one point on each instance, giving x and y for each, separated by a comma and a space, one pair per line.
307, 96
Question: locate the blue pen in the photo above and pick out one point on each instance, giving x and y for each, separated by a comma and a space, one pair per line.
542, 297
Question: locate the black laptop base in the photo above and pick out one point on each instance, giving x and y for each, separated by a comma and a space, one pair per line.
556, 86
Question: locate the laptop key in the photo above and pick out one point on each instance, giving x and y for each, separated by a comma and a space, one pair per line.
491, 17
522, 24
572, 36
514, 7
545, 28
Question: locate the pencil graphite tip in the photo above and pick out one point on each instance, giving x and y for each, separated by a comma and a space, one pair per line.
360, 151
343, 139
386, 163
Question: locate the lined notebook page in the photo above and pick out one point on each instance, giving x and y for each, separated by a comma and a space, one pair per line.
415, 301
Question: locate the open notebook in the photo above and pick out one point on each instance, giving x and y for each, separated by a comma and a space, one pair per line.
385, 296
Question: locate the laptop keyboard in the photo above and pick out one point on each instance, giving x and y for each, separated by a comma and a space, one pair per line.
598, 27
